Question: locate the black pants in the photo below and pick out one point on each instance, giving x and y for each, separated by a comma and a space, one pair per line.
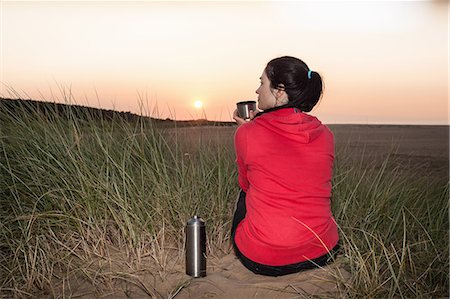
258, 268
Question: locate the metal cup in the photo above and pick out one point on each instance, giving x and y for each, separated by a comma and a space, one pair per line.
244, 108
196, 247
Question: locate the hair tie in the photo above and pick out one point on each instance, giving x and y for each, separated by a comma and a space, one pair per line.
309, 74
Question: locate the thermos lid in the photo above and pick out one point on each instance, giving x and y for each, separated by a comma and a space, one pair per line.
196, 220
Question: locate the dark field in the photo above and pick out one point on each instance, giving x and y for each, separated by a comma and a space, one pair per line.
412, 146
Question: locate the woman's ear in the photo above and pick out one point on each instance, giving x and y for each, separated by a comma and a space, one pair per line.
281, 94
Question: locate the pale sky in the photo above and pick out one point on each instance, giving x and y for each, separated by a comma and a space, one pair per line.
381, 62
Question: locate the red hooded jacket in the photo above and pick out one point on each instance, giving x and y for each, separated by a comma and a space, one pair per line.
285, 164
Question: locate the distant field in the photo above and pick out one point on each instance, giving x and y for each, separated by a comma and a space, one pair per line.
426, 146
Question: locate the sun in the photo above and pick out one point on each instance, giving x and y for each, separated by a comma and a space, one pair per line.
198, 104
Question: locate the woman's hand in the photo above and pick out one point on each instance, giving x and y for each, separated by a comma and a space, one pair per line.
240, 120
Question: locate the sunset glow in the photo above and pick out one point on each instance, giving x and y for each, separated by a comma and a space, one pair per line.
198, 104
381, 61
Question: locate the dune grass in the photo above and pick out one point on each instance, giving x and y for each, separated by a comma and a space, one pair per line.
76, 189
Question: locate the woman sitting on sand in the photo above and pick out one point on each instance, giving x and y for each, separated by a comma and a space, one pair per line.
283, 222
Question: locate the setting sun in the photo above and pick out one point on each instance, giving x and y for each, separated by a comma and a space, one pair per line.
198, 104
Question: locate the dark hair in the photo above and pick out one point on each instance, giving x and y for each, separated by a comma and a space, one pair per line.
291, 75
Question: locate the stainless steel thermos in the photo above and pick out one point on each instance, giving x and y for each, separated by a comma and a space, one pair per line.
196, 247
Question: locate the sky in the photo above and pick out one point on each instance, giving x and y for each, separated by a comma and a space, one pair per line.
382, 62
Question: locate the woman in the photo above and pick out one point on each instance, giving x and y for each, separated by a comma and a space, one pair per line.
283, 222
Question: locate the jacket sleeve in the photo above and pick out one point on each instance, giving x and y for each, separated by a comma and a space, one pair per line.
240, 144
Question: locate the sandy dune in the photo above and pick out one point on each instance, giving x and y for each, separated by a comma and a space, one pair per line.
226, 278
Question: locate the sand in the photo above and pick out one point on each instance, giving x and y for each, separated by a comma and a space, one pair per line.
226, 278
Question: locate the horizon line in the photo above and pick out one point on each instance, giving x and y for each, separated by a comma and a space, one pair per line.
428, 123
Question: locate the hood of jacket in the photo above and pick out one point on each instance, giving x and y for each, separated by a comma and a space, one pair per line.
292, 123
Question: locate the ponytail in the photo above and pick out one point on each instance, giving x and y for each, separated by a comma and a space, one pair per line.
309, 97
